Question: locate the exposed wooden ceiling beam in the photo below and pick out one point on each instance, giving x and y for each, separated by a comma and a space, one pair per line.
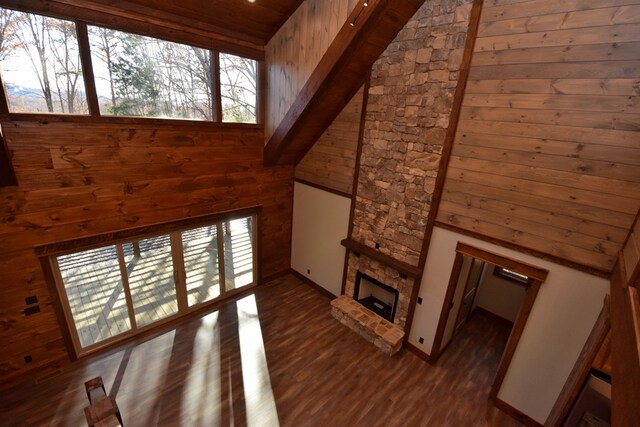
126, 16
337, 77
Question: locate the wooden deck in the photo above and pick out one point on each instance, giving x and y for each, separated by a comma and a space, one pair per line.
274, 357
95, 289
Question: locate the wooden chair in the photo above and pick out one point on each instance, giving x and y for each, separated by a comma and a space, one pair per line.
103, 410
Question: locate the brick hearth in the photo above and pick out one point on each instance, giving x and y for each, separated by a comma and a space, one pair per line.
384, 335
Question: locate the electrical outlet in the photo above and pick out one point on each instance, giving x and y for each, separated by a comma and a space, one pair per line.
31, 310
419, 300
421, 340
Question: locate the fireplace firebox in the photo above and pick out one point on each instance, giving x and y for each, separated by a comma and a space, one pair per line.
376, 296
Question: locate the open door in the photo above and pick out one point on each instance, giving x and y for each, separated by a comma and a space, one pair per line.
462, 272
470, 293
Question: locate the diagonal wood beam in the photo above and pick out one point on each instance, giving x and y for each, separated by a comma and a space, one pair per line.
337, 77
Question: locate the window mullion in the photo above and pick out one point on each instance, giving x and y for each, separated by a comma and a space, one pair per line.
125, 286
253, 234
221, 268
66, 308
215, 80
179, 271
4, 99
261, 96
87, 68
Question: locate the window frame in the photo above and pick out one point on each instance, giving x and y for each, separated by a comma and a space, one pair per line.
94, 114
48, 257
507, 274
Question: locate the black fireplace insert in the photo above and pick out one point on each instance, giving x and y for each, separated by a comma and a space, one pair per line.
376, 296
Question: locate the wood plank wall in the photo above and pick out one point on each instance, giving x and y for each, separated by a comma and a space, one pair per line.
296, 49
331, 161
547, 152
81, 179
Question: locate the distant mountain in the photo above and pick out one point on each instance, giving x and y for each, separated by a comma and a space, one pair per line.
31, 100
25, 100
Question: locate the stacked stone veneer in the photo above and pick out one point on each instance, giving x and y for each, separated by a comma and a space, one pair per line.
384, 335
408, 109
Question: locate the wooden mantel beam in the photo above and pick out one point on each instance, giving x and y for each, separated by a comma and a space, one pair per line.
338, 77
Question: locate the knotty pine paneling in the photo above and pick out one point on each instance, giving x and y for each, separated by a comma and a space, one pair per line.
82, 179
331, 161
296, 49
547, 151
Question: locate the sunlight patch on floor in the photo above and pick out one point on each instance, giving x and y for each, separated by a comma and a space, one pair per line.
150, 356
200, 402
259, 400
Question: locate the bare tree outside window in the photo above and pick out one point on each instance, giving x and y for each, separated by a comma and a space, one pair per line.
41, 64
8, 28
238, 88
143, 76
104, 45
134, 75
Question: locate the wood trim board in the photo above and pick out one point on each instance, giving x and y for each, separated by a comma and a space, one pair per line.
322, 187
446, 307
7, 174
418, 352
516, 414
514, 337
87, 68
519, 267
525, 250
625, 350
140, 232
581, 369
400, 266
312, 284
356, 175
447, 148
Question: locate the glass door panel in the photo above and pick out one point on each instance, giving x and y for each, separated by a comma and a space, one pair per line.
149, 267
238, 253
201, 264
95, 292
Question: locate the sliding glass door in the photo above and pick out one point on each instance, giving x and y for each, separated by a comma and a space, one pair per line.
95, 294
201, 251
149, 270
238, 253
114, 291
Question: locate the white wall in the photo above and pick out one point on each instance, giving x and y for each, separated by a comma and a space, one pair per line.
500, 296
563, 315
320, 221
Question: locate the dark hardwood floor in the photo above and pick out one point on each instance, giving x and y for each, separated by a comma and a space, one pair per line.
274, 357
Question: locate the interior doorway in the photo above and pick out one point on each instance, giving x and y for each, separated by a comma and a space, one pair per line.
488, 284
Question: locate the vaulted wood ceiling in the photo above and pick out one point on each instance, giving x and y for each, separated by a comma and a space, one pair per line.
255, 22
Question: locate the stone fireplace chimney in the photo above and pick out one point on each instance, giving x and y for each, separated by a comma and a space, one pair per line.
407, 114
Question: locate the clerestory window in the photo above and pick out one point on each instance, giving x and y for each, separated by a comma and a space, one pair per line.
44, 62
